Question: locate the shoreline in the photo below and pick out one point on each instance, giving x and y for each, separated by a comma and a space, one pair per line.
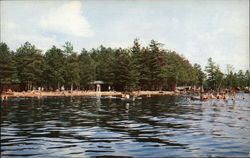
36, 94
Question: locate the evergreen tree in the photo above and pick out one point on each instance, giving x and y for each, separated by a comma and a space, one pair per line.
215, 76
218, 77
145, 72
173, 69
136, 68
247, 78
29, 61
7, 65
123, 70
199, 75
157, 63
54, 68
68, 48
136, 56
103, 58
72, 68
241, 79
87, 68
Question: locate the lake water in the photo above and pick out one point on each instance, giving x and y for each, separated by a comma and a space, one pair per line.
149, 127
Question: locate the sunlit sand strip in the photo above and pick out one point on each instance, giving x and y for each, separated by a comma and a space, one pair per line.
37, 94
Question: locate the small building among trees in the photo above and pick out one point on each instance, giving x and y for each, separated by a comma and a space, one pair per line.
99, 86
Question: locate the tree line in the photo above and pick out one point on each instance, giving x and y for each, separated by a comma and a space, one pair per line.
124, 69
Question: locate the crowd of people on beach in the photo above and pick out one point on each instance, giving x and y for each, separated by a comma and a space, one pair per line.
221, 94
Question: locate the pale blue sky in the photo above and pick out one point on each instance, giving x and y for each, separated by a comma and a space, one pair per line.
197, 29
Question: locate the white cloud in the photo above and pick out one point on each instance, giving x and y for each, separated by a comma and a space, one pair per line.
43, 43
197, 30
14, 35
11, 25
67, 19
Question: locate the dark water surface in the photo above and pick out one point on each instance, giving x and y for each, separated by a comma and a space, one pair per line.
150, 127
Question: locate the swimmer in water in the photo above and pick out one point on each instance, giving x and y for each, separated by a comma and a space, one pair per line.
233, 91
203, 96
211, 96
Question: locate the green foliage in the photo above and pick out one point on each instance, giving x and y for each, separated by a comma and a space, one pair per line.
72, 67
29, 61
7, 65
87, 68
72, 70
135, 68
68, 48
156, 64
215, 76
247, 78
103, 58
54, 67
199, 75
136, 64
178, 70
233, 79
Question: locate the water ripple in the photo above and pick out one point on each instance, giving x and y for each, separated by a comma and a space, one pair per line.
150, 127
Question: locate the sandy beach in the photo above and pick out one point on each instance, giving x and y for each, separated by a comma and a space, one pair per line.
36, 94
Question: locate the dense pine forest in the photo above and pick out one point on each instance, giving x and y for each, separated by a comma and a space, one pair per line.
124, 69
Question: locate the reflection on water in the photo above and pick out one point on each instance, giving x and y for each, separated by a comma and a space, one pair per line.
150, 127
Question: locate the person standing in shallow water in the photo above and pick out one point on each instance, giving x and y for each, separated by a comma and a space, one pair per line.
203, 96
233, 91
226, 95
211, 96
